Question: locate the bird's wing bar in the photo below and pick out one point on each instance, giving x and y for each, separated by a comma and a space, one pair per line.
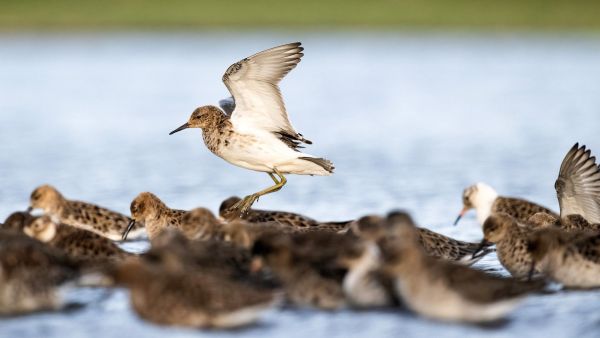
578, 185
253, 83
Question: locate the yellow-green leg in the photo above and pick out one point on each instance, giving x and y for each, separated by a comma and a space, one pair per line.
244, 205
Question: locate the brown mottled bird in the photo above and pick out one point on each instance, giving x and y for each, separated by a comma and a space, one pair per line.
307, 266
510, 239
364, 284
577, 188
445, 290
257, 133
153, 214
434, 244
295, 222
17, 221
485, 200
31, 274
83, 215
571, 258
79, 244
194, 298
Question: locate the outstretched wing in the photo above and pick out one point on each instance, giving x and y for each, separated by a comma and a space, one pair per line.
253, 83
578, 185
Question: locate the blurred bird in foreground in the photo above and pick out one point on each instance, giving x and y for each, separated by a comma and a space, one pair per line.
444, 290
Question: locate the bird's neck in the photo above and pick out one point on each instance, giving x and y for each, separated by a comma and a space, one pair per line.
215, 134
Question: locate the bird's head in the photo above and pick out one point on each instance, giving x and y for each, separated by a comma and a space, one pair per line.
202, 117
42, 229
496, 226
480, 197
45, 197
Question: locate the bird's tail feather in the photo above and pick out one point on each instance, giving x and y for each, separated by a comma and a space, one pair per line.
323, 163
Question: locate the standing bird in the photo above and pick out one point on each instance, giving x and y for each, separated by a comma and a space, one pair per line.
257, 134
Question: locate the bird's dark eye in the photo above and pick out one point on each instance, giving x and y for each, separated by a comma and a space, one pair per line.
35, 196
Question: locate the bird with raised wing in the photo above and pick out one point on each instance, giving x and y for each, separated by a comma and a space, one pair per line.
257, 133
577, 188
578, 185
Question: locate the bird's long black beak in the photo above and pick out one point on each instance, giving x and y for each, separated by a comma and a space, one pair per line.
183, 126
129, 227
460, 215
531, 271
29, 210
481, 246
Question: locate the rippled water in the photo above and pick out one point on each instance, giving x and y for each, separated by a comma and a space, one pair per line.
409, 119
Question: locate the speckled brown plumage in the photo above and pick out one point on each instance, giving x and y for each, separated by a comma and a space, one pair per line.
81, 245
577, 222
434, 244
511, 243
567, 223
296, 222
571, 258
519, 209
150, 211
83, 215
30, 273
444, 247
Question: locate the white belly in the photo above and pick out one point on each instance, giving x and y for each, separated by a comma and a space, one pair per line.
264, 152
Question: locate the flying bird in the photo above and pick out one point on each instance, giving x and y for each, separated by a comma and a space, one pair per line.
252, 129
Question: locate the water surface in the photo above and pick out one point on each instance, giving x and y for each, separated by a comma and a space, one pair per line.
409, 120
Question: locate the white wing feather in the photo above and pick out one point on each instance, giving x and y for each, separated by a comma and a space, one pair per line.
253, 83
578, 185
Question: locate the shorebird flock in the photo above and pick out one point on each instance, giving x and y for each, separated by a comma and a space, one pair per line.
225, 270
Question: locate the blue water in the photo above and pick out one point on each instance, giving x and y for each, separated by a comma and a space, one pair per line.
409, 119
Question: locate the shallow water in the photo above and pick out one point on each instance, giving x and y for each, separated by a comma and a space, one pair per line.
409, 119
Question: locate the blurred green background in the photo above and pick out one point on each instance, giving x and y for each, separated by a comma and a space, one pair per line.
306, 14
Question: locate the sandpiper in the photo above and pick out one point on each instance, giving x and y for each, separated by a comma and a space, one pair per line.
577, 188
511, 243
258, 135
445, 290
434, 244
30, 274
485, 200
83, 215
295, 222
79, 244
306, 265
364, 284
192, 298
151, 212
570, 258
17, 221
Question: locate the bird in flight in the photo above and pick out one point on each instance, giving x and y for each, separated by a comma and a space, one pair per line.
252, 129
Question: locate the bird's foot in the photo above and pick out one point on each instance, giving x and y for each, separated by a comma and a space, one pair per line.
242, 207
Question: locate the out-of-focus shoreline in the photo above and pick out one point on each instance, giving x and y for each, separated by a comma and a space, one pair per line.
507, 15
